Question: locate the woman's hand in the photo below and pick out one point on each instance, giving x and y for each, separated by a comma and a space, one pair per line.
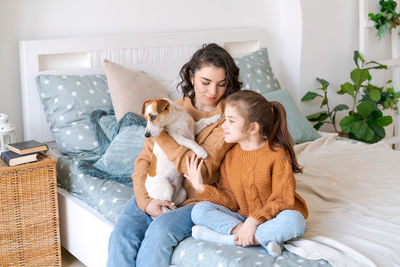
245, 236
194, 172
154, 207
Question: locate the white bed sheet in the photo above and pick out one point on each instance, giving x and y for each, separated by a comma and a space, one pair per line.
353, 195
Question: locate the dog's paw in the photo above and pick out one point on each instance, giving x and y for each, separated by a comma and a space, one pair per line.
201, 153
165, 209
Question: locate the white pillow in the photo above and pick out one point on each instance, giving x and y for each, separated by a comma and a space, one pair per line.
171, 85
129, 88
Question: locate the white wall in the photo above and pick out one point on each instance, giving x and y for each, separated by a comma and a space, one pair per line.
314, 38
330, 34
317, 39
41, 19
290, 43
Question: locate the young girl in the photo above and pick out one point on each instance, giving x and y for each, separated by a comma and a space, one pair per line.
255, 202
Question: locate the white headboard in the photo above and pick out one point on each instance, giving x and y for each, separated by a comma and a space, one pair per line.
161, 55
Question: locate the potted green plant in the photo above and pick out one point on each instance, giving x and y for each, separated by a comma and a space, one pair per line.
365, 120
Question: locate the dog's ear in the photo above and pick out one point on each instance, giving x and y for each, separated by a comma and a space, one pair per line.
144, 106
162, 105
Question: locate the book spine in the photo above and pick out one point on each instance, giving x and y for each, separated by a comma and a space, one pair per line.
5, 158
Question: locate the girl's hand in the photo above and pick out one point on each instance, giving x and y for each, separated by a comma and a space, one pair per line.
245, 235
194, 172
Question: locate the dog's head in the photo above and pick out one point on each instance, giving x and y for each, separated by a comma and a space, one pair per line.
156, 112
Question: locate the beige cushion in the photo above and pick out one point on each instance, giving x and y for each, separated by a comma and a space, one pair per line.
129, 88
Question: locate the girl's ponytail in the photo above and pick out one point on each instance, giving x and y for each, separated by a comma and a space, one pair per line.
279, 135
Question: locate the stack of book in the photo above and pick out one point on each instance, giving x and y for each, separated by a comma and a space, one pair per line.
23, 152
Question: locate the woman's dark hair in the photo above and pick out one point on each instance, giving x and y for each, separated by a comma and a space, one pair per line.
210, 54
271, 116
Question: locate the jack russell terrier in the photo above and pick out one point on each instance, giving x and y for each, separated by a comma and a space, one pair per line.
163, 181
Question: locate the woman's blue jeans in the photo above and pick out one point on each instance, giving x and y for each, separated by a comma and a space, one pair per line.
288, 224
139, 240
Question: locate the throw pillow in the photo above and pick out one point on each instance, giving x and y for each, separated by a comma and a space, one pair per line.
68, 101
119, 158
119, 145
174, 91
256, 72
129, 88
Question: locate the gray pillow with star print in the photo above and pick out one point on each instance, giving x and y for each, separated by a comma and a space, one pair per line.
68, 101
256, 72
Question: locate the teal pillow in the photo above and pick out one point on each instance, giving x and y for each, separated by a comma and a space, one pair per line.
256, 72
120, 156
119, 145
68, 101
108, 124
300, 128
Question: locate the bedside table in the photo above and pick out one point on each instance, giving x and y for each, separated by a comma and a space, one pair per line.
29, 223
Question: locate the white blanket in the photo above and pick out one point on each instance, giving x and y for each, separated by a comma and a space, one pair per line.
353, 195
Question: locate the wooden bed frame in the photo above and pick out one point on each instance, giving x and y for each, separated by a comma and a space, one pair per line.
84, 232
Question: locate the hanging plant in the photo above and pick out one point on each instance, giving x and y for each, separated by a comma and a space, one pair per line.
387, 19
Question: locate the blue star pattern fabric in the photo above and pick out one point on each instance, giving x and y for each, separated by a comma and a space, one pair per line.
256, 72
68, 101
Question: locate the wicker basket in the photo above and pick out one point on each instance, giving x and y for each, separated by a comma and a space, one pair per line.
29, 226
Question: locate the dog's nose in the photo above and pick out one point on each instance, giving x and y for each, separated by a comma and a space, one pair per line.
147, 134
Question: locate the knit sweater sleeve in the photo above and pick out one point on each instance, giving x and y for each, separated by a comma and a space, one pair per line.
214, 144
283, 191
221, 195
139, 176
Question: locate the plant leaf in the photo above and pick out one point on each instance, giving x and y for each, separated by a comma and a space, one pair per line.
379, 133
324, 83
320, 116
372, 16
378, 65
346, 88
356, 53
374, 94
347, 122
358, 76
382, 121
369, 134
371, 86
358, 128
365, 108
310, 96
340, 107
318, 125
375, 115
324, 101
361, 58
362, 131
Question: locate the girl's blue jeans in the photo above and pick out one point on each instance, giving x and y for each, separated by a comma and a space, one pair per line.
139, 240
288, 224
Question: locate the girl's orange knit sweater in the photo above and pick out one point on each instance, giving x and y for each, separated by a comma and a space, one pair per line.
258, 183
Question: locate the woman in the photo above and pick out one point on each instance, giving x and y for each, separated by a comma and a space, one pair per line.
208, 77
